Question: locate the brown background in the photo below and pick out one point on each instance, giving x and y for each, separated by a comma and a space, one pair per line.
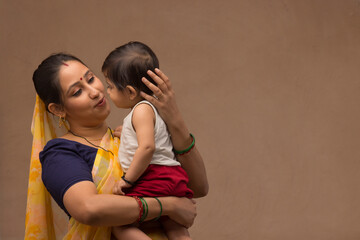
270, 89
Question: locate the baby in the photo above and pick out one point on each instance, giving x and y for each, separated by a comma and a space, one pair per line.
146, 152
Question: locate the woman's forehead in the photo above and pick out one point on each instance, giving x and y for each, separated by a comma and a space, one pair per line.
72, 72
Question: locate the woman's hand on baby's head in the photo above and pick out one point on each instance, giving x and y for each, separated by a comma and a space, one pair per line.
164, 99
119, 186
117, 131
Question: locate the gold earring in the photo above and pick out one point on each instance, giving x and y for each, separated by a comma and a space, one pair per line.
61, 121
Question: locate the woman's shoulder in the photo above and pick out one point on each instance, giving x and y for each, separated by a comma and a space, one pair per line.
60, 146
64, 163
63, 144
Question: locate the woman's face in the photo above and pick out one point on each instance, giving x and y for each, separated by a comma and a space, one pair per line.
83, 95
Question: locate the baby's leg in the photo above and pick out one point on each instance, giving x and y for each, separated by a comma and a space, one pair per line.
129, 233
174, 231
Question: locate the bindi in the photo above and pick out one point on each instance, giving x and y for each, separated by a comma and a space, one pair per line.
81, 78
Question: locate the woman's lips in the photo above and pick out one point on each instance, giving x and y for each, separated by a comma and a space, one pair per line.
101, 103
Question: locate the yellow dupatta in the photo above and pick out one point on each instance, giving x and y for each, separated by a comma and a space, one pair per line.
44, 219
106, 171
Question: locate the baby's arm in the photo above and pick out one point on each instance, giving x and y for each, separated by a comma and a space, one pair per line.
143, 121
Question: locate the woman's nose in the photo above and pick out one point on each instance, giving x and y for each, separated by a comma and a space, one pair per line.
94, 93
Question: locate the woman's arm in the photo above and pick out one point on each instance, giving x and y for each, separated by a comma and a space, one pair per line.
194, 166
86, 206
165, 103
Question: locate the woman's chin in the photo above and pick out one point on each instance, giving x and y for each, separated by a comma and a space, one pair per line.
104, 116
105, 112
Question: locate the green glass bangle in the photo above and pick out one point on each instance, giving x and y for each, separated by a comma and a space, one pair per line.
188, 149
145, 210
157, 218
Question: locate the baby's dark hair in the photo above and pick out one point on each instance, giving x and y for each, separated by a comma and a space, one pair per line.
128, 64
46, 78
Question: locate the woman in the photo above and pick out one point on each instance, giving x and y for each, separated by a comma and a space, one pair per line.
72, 164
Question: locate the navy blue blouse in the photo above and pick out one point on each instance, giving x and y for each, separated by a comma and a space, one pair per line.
64, 163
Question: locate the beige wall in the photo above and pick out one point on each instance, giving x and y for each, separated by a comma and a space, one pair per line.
270, 89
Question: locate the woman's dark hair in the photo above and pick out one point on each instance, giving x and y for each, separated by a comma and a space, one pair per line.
128, 64
46, 78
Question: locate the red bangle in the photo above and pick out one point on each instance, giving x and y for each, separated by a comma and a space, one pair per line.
140, 207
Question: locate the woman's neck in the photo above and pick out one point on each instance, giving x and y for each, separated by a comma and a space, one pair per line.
93, 133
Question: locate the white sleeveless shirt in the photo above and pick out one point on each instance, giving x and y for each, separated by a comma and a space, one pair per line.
163, 154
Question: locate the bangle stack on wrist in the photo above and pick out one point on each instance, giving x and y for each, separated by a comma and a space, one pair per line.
144, 209
187, 150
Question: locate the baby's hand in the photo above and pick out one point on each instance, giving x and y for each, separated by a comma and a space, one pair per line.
117, 131
119, 186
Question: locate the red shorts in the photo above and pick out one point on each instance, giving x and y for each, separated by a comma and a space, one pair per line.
161, 181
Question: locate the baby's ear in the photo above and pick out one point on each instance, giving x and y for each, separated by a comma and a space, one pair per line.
132, 92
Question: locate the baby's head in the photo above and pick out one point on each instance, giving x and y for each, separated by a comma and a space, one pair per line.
128, 64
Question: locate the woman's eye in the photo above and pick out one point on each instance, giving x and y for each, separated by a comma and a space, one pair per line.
91, 80
77, 93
